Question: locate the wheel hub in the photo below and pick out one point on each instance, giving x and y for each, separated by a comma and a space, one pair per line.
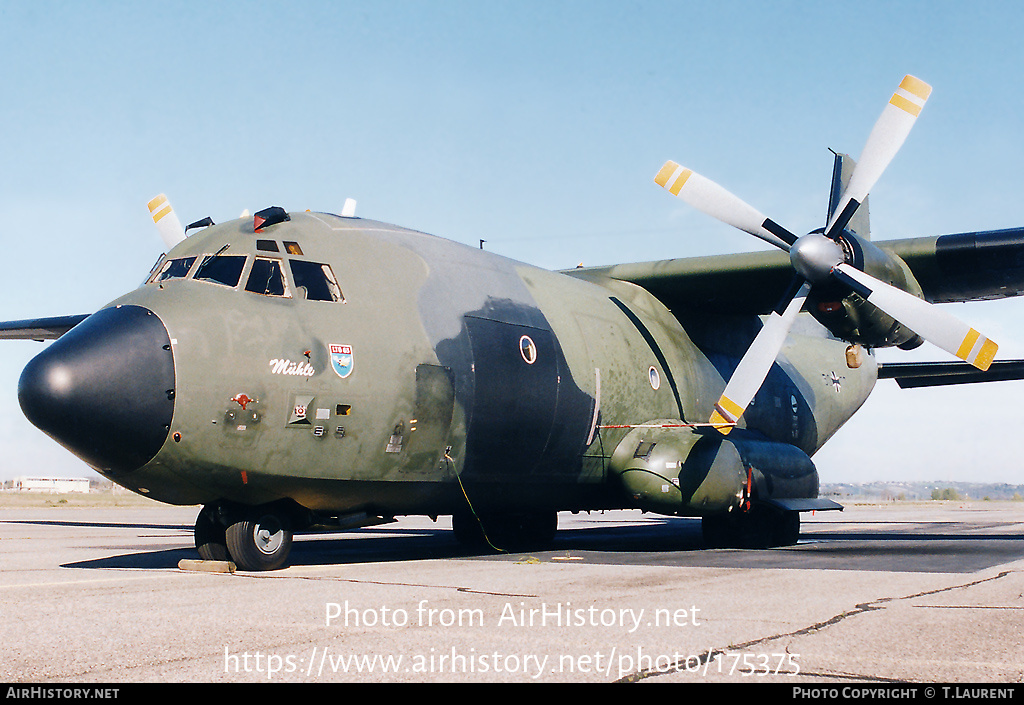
268, 535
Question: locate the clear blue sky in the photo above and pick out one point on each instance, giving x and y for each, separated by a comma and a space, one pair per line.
537, 126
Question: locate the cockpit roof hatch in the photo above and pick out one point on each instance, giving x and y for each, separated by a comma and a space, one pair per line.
269, 216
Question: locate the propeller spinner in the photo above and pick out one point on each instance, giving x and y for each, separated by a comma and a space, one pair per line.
818, 257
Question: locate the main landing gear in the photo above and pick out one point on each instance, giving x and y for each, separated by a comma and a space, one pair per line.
505, 531
759, 527
254, 538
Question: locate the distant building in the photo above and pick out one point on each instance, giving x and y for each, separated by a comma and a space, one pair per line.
50, 484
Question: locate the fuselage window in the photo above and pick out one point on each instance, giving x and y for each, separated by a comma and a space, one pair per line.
174, 269
316, 281
221, 269
266, 278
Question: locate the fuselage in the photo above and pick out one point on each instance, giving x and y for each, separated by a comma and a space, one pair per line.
355, 366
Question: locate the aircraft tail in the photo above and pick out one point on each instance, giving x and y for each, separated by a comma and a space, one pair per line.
841, 172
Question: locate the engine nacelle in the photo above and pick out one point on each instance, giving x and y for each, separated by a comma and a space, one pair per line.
848, 315
667, 468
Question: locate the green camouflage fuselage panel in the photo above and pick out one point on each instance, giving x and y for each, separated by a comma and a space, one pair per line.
439, 360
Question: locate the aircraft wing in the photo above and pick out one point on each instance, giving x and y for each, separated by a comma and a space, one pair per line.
961, 267
910, 375
39, 328
965, 266
751, 282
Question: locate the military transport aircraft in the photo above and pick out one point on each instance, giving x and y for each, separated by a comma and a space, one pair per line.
298, 371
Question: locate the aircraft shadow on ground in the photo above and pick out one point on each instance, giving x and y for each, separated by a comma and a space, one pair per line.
384, 544
100, 524
395, 544
139, 560
668, 541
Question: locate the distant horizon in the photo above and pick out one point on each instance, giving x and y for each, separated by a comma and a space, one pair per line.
99, 480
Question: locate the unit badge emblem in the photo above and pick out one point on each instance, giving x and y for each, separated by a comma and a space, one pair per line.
341, 359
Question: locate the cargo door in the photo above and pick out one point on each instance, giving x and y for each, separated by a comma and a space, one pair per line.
515, 396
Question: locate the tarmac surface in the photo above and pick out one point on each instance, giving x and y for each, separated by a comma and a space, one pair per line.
929, 592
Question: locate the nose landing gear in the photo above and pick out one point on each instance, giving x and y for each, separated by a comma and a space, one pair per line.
254, 538
259, 541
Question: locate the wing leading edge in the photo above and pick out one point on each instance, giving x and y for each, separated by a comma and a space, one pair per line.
965, 266
39, 328
950, 268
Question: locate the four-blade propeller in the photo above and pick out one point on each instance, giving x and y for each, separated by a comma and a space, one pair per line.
818, 257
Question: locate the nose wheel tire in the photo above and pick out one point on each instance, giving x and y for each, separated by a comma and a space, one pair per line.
260, 541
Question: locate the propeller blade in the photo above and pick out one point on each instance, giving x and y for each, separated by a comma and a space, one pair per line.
166, 221
710, 198
757, 362
883, 143
927, 320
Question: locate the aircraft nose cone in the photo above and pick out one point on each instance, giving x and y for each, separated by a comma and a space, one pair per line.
105, 389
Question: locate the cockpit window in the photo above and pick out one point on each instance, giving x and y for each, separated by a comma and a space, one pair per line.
266, 277
221, 269
316, 281
174, 269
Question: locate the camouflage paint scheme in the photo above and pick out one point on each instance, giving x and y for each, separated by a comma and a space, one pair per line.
416, 303
449, 380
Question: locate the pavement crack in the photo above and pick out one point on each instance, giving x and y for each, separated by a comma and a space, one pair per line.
859, 609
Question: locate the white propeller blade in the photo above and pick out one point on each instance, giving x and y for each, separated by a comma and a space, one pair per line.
166, 221
756, 363
707, 196
883, 143
927, 320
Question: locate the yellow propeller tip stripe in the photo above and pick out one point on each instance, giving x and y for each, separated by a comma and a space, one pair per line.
986, 355
160, 214
677, 185
721, 425
905, 105
986, 350
726, 405
666, 173
913, 84
964, 351
157, 202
